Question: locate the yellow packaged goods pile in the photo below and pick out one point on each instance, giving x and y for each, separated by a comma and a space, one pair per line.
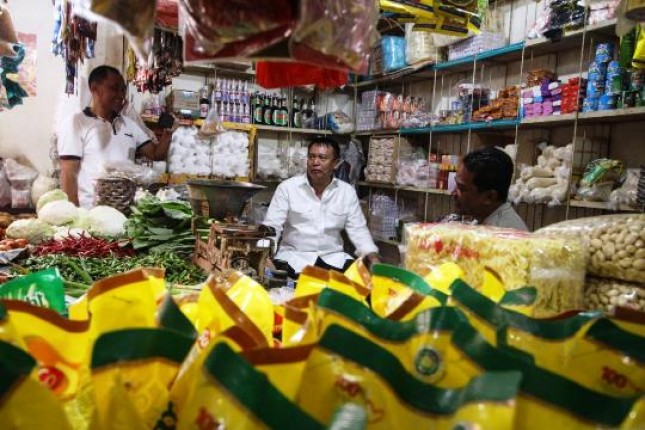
554, 266
378, 348
616, 267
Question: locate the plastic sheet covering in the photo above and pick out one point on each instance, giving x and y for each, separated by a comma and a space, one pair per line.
420, 46
336, 33
616, 244
553, 265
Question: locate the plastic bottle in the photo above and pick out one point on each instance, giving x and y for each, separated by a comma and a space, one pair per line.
204, 103
267, 111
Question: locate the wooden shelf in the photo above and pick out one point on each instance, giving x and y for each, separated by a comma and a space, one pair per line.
600, 205
292, 130
548, 121
572, 39
615, 115
405, 188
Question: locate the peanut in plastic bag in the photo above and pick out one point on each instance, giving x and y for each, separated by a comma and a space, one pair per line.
24, 402
548, 399
346, 367
236, 300
400, 294
420, 344
132, 371
607, 294
231, 393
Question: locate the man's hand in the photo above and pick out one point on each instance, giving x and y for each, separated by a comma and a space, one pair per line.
266, 231
370, 259
69, 178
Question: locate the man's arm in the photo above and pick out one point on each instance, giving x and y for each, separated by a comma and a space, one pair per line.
277, 213
159, 151
69, 178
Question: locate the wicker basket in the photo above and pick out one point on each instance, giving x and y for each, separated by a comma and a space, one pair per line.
117, 193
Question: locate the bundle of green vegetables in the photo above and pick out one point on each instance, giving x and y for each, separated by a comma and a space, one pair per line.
161, 226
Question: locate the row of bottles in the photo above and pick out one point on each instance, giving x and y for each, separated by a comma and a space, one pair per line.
269, 109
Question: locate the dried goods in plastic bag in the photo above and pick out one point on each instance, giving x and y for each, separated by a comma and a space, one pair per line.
335, 33
346, 366
616, 244
627, 194
553, 265
607, 294
24, 402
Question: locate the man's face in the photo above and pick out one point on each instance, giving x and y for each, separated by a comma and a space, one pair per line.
468, 200
110, 93
321, 163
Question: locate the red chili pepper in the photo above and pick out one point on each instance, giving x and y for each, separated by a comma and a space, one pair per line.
84, 246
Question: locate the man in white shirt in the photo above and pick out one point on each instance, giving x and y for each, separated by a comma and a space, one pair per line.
483, 179
100, 134
308, 213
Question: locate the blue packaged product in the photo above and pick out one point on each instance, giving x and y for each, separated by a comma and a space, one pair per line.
598, 67
604, 52
393, 49
595, 89
614, 67
596, 76
590, 104
607, 100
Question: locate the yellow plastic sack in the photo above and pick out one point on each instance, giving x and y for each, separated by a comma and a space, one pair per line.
24, 402
420, 344
548, 400
8, 332
132, 371
313, 280
283, 366
127, 300
346, 367
60, 346
171, 317
230, 393
400, 294
299, 321
359, 273
236, 300
441, 277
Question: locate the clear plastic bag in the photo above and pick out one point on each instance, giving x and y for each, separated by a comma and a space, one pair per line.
615, 243
554, 266
606, 294
5, 188
140, 175
21, 178
627, 194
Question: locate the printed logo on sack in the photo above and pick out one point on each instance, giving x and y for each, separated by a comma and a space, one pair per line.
428, 362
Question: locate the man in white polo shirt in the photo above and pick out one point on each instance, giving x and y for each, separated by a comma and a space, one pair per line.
100, 134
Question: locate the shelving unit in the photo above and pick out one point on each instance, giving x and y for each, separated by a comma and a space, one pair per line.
599, 206
293, 130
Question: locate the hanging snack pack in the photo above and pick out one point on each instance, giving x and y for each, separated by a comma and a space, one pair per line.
43, 288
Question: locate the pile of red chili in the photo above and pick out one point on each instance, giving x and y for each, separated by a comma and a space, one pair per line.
84, 246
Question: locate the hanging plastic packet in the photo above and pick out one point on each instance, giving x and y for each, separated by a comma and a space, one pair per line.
131, 295
24, 402
132, 371
347, 367
400, 294
336, 34
44, 288
235, 301
231, 393
548, 399
420, 344
283, 366
211, 125
422, 9
134, 19
450, 26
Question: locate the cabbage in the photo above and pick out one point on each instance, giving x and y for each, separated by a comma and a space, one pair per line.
50, 196
61, 233
59, 212
34, 230
106, 221
83, 219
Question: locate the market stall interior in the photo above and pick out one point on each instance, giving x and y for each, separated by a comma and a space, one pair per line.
423, 131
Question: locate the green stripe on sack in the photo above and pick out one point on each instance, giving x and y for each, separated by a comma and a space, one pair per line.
255, 392
3, 312
172, 318
494, 387
139, 344
544, 385
15, 364
409, 279
497, 316
608, 333
443, 318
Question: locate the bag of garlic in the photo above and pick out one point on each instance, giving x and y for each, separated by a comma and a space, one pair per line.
554, 266
616, 244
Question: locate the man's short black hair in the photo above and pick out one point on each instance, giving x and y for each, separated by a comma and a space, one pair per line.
325, 141
492, 169
100, 73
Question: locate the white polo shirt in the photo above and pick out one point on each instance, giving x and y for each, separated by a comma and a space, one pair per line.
94, 141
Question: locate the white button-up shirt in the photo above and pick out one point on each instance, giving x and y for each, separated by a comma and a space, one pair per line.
310, 227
